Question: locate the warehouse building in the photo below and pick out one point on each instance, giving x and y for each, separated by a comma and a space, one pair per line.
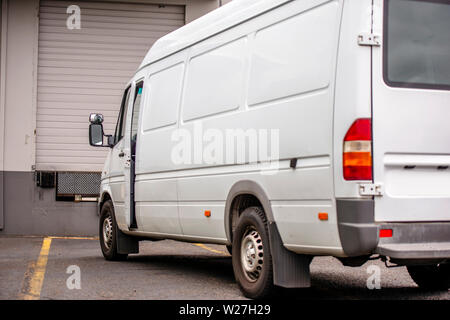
59, 62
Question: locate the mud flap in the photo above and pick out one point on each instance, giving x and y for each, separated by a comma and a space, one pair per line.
290, 270
126, 244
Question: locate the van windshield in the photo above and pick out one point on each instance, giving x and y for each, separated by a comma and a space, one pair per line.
417, 43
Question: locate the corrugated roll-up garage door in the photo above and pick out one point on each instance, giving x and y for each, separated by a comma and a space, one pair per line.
86, 70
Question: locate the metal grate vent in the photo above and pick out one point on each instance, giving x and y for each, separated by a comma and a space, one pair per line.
78, 183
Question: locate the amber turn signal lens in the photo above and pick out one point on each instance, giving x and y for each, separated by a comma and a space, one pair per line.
323, 216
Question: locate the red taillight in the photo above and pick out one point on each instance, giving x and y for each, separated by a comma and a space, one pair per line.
357, 158
386, 233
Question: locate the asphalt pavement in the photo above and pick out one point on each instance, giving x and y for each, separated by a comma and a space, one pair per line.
74, 268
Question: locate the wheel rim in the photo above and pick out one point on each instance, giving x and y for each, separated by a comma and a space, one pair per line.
107, 232
252, 255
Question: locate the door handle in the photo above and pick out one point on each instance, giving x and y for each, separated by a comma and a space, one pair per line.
122, 154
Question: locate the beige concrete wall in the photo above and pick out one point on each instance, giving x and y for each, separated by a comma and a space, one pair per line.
20, 104
3, 22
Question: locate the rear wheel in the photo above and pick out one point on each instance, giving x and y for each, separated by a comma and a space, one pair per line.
252, 261
435, 277
108, 233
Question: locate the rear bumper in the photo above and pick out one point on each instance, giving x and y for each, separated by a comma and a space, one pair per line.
410, 242
415, 251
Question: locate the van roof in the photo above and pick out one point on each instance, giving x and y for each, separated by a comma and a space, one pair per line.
227, 16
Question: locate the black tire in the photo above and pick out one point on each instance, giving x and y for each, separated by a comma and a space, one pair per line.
435, 277
256, 284
230, 250
109, 248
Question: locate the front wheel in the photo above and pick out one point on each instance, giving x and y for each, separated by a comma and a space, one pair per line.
435, 277
108, 233
251, 257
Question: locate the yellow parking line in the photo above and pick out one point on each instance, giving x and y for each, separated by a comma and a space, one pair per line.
201, 245
74, 238
58, 237
32, 288
35, 274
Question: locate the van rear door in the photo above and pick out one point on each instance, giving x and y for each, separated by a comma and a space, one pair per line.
411, 110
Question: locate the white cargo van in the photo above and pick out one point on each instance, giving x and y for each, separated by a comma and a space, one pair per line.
287, 130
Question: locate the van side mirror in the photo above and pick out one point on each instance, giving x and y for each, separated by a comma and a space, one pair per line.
96, 134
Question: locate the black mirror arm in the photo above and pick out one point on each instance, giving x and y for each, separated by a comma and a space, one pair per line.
110, 140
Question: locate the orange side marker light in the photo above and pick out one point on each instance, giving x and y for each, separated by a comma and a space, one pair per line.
323, 216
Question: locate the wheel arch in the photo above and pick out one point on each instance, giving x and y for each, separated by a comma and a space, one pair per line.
245, 190
290, 270
125, 244
105, 196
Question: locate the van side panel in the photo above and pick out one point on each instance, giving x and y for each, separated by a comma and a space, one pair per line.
355, 214
214, 80
298, 102
156, 199
353, 85
281, 69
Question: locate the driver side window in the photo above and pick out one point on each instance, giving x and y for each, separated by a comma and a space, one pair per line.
121, 121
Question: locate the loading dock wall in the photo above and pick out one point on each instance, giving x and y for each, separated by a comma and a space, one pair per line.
24, 207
